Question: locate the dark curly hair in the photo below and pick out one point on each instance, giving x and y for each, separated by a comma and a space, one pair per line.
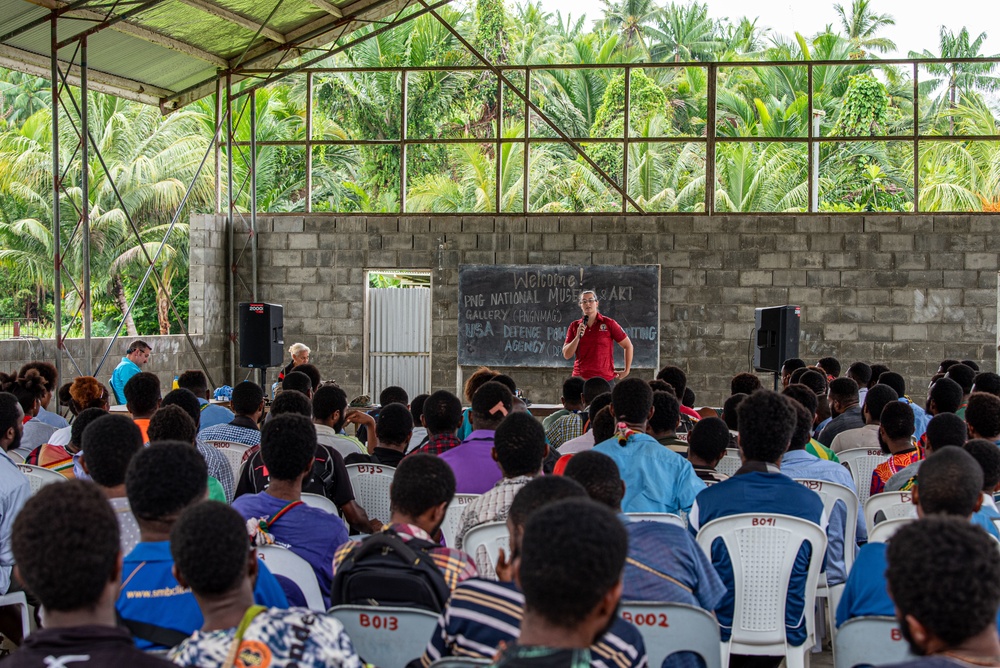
488, 396
442, 413
187, 401
893, 380
194, 380
210, 548
326, 401
315, 377
48, 371
803, 395
843, 389
666, 412
83, 420
983, 415
10, 416
766, 423
142, 393
572, 553
947, 395
291, 401
70, 523
599, 475
987, 381
520, 445
963, 375
394, 424
860, 372
296, 380
171, 423
631, 400
950, 482
831, 365
29, 388
945, 572
595, 387
987, 455
709, 439
729, 413
288, 446
479, 377
946, 429
109, 444
744, 383
572, 389
814, 380
896, 419
803, 426
675, 376
877, 371
878, 398
393, 394
420, 483
164, 479
246, 398
599, 402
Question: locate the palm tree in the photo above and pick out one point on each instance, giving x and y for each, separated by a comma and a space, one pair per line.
960, 77
684, 32
631, 18
862, 26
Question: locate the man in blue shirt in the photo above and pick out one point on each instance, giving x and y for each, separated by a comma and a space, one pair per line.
162, 481
766, 423
211, 414
288, 447
136, 355
949, 484
799, 464
657, 480
987, 455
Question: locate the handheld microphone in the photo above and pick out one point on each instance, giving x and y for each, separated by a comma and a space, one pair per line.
585, 319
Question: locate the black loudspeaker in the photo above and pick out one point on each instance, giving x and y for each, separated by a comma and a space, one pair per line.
777, 333
262, 338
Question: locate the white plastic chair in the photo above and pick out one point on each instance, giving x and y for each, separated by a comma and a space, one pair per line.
321, 502
39, 476
453, 517
870, 641
762, 548
668, 628
233, 452
894, 505
18, 456
861, 462
282, 561
731, 463
883, 531
384, 635
831, 492
490, 536
664, 518
371, 488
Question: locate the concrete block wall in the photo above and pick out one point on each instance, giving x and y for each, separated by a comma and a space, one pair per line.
904, 290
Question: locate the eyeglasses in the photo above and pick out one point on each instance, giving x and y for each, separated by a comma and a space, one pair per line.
588, 301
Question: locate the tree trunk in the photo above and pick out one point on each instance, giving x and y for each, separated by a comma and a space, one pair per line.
118, 291
163, 311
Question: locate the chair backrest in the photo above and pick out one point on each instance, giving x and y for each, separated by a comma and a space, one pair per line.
371, 488
763, 548
491, 536
39, 476
861, 462
284, 562
385, 635
869, 641
894, 505
884, 530
233, 452
321, 502
831, 492
668, 628
730, 463
665, 518
19, 455
453, 517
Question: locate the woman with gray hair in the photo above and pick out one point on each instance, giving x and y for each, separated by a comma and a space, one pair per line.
300, 355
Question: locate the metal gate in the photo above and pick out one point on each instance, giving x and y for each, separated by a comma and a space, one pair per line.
399, 340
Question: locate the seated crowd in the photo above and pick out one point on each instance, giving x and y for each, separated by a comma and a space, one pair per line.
156, 547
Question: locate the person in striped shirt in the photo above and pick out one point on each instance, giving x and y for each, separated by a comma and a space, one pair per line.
483, 616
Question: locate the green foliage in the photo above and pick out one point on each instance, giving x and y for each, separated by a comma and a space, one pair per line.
646, 101
864, 110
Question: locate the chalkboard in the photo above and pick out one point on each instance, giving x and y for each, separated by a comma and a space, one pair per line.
517, 315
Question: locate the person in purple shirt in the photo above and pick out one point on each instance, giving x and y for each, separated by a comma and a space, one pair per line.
474, 462
287, 446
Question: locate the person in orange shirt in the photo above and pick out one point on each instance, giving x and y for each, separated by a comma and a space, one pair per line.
142, 399
895, 436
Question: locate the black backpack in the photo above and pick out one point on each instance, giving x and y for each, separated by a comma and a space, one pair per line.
385, 570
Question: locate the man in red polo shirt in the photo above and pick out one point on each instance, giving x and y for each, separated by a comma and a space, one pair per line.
592, 340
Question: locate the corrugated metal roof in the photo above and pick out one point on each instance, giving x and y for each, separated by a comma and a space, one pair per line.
174, 51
